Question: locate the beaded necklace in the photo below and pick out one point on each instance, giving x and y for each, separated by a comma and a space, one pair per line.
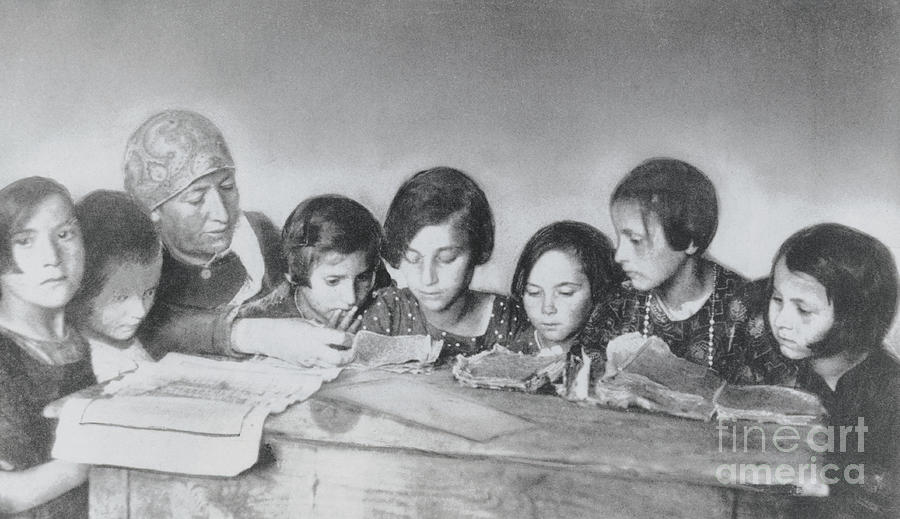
711, 348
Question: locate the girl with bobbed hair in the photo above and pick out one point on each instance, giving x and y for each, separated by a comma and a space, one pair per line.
332, 247
438, 229
42, 357
563, 271
833, 296
665, 212
123, 261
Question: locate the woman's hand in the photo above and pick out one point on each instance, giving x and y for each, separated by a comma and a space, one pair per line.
293, 340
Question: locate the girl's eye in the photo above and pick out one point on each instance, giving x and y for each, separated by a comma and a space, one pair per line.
332, 282
150, 292
23, 241
532, 293
120, 298
448, 257
803, 311
566, 292
227, 186
412, 257
196, 199
67, 234
776, 300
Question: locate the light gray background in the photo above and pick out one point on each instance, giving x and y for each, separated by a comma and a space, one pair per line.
790, 107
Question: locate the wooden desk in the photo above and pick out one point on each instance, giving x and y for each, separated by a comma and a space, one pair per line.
336, 460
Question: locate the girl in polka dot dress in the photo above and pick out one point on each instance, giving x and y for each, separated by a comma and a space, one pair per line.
439, 227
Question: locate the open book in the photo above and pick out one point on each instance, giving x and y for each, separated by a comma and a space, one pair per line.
184, 414
500, 368
643, 372
398, 353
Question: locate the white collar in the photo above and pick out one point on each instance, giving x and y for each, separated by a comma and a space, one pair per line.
245, 245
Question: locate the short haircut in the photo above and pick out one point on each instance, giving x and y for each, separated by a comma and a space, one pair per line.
329, 223
860, 279
433, 197
680, 195
115, 229
18, 201
590, 247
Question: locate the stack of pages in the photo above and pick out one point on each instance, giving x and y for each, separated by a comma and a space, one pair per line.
500, 368
400, 353
643, 372
184, 414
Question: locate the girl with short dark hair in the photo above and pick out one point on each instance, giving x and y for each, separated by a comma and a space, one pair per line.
665, 213
122, 270
42, 358
833, 296
564, 270
332, 246
438, 229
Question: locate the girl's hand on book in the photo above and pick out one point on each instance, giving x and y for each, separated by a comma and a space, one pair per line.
345, 320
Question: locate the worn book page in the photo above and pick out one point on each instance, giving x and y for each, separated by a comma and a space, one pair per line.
161, 440
397, 353
184, 414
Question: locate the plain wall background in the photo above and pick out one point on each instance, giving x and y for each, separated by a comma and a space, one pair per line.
790, 107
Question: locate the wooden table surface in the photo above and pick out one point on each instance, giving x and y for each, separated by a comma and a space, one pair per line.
330, 457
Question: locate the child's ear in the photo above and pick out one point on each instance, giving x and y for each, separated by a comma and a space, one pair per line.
154, 215
691, 249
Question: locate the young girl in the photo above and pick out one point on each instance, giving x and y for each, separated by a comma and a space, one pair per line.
332, 245
665, 213
439, 227
563, 271
833, 297
41, 357
122, 267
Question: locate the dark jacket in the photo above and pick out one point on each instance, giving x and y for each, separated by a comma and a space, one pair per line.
191, 313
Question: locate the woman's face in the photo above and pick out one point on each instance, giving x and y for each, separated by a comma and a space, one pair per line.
337, 283
800, 313
49, 255
437, 266
645, 255
126, 297
199, 222
557, 296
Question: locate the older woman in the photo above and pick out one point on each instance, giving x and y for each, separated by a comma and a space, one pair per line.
216, 256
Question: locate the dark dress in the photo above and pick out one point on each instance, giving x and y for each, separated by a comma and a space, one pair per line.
624, 309
192, 311
395, 311
27, 385
869, 391
868, 394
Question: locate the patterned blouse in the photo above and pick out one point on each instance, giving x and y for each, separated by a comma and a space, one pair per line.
625, 310
33, 374
395, 311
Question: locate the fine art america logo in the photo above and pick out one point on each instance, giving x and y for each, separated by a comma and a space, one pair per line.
826, 441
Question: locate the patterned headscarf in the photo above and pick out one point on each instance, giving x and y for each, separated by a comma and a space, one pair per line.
168, 152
